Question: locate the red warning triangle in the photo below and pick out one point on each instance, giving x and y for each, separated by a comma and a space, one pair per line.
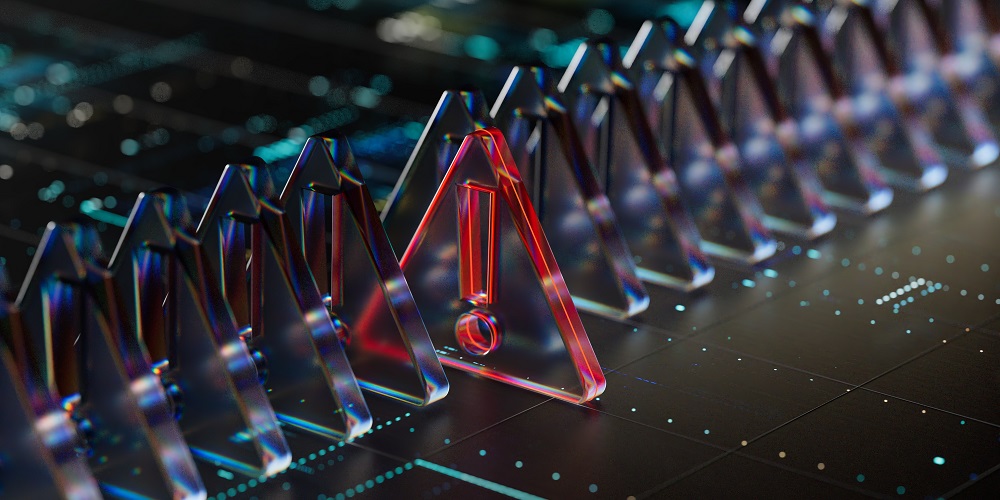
487, 283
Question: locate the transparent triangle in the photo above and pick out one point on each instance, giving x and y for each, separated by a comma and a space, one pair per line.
40, 460
457, 114
71, 310
900, 140
488, 286
576, 216
226, 416
973, 32
681, 114
289, 323
807, 85
335, 221
955, 119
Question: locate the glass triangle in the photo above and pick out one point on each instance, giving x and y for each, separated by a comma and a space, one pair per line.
40, 460
971, 41
335, 222
956, 121
807, 86
289, 323
576, 216
226, 417
70, 309
457, 114
899, 138
488, 285
643, 190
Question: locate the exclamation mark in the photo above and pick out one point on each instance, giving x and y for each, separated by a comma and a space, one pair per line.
478, 225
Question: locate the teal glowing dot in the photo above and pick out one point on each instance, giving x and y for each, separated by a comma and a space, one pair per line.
826, 293
600, 21
447, 441
837, 312
749, 283
900, 490
319, 85
938, 460
519, 464
813, 254
985, 267
873, 322
382, 84
555, 476
679, 308
845, 262
707, 432
878, 271
542, 39
592, 488
796, 250
962, 422
861, 302
770, 273
129, 147
950, 259
860, 478
482, 47
369, 484
411, 429
482, 453
670, 420
915, 250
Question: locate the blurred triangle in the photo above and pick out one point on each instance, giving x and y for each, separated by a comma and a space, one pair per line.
576, 216
72, 311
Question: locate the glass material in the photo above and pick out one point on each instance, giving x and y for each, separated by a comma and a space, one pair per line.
808, 88
286, 322
896, 134
457, 114
70, 308
488, 285
971, 45
950, 109
751, 113
334, 221
179, 312
575, 214
643, 190
38, 441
